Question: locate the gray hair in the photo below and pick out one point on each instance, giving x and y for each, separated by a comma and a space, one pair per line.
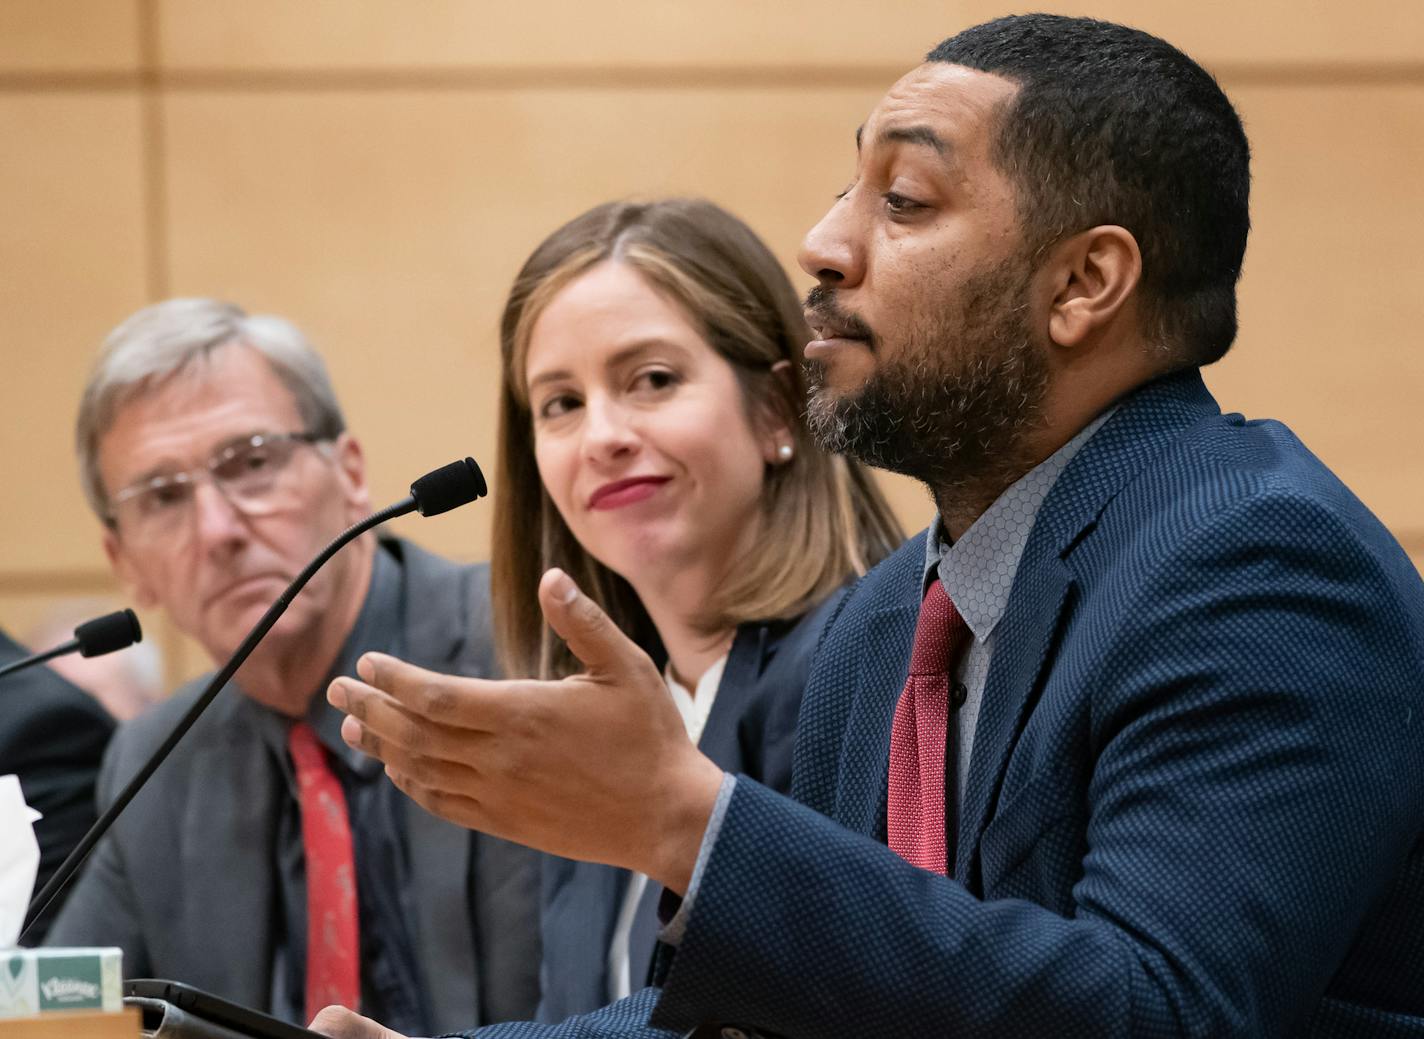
179, 335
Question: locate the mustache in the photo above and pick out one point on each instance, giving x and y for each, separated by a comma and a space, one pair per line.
821, 304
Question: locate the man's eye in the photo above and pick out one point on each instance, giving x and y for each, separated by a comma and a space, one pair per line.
899, 205
257, 459
251, 462
162, 496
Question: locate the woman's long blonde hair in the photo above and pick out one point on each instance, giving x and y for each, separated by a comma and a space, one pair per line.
823, 519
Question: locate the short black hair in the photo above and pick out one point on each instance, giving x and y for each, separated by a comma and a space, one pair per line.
1111, 125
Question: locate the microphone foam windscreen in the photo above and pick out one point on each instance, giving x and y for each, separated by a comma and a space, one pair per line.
108, 633
448, 487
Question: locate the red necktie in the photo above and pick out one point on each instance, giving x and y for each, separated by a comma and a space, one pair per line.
333, 955
919, 736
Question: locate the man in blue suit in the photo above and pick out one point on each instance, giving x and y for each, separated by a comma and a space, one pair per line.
1179, 747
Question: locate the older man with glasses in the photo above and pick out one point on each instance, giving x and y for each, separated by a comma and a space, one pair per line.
267, 862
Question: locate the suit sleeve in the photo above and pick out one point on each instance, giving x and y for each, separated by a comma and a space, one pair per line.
625, 1019
101, 908
1256, 772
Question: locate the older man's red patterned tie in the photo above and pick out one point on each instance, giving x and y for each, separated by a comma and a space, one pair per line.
919, 737
333, 953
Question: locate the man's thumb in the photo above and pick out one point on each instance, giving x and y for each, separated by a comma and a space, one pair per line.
577, 619
340, 1023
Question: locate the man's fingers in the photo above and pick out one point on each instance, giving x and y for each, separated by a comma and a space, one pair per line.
340, 1023
445, 699
380, 728
453, 807
389, 720
590, 635
439, 773
422, 691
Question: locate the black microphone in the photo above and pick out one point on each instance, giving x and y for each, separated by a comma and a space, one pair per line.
105, 634
446, 488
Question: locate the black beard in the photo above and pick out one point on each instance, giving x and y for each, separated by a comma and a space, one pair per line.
953, 405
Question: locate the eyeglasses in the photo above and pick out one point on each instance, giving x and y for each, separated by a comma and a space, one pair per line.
254, 474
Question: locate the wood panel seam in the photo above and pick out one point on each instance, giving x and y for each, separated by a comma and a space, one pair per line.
152, 155
752, 77
70, 581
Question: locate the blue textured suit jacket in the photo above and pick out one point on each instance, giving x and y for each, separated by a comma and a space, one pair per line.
749, 731
1196, 799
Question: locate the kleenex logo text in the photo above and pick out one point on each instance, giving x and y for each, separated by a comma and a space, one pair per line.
69, 990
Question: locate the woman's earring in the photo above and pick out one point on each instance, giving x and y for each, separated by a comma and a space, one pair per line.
784, 452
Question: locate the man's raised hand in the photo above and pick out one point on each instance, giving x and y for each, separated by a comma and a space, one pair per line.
595, 767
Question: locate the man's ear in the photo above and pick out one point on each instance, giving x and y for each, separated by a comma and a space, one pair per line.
351, 469
129, 574
1094, 279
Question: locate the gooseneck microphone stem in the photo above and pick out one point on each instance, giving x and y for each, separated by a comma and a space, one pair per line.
81, 851
40, 658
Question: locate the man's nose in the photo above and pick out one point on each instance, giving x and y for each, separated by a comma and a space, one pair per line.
216, 520
830, 252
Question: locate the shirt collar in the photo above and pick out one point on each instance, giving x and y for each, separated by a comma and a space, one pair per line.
696, 706
978, 570
373, 630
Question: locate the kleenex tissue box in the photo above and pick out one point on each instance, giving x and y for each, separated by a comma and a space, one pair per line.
37, 981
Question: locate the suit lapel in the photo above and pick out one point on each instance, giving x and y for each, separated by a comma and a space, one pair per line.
843, 734
602, 889
440, 853
443, 941
579, 910
1025, 634
886, 637
745, 662
1145, 423
230, 880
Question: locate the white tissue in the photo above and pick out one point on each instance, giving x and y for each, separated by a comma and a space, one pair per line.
19, 859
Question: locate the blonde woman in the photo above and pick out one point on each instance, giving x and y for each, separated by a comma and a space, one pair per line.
651, 446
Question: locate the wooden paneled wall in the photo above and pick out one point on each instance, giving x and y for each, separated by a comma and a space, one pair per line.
377, 169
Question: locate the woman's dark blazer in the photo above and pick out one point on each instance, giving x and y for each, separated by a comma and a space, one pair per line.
750, 731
